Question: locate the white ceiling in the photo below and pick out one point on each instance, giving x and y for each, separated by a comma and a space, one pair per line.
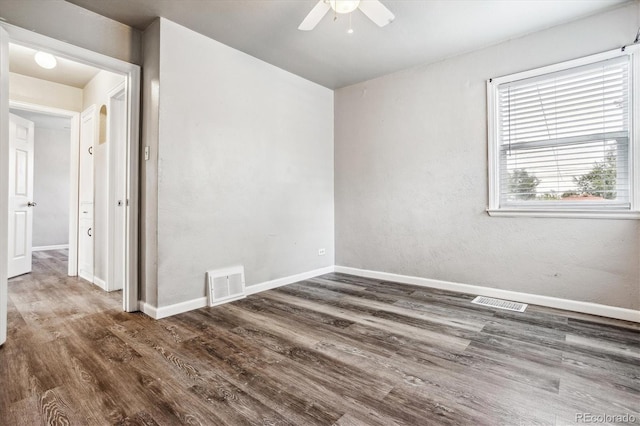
21, 61
424, 31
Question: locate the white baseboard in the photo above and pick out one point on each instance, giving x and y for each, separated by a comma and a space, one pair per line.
175, 309
100, 283
148, 309
533, 299
201, 302
268, 285
56, 247
82, 274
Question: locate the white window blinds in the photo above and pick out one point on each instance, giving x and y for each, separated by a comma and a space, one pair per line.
563, 137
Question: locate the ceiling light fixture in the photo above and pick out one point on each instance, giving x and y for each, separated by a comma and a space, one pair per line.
373, 9
344, 6
46, 60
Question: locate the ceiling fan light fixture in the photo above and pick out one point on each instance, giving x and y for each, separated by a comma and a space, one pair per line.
344, 6
45, 60
373, 9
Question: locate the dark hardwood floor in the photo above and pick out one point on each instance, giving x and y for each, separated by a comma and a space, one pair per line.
334, 350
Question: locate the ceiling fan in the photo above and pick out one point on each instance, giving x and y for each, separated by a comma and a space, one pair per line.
374, 10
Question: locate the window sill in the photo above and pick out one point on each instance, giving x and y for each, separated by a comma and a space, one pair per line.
568, 214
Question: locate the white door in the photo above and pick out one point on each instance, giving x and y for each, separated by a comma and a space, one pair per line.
85, 189
21, 202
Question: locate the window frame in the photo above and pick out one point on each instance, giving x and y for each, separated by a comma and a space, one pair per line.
574, 209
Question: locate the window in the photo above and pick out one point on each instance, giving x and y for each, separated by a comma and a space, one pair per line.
561, 139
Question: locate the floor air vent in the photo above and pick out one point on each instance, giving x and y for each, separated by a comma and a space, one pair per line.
225, 285
500, 304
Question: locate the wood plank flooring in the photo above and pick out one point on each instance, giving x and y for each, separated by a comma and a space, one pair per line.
334, 350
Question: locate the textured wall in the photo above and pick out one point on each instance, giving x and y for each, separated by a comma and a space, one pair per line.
245, 167
411, 179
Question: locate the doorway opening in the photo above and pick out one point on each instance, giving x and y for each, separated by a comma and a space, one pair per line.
51, 211
106, 126
92, 227
54, 189
51, 182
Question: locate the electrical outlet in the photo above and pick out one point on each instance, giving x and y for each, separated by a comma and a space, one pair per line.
322, 252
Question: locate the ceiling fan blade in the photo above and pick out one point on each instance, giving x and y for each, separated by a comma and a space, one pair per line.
377, 12
314, 17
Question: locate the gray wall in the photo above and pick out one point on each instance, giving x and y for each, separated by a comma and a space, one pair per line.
245, 167
411, 179
51, 185
149, 169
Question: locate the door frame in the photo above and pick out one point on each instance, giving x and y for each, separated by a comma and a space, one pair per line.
74, 147
131, 72
4, 180
89, 114
117, 94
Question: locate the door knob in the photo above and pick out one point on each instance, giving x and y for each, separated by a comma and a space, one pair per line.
31, 204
